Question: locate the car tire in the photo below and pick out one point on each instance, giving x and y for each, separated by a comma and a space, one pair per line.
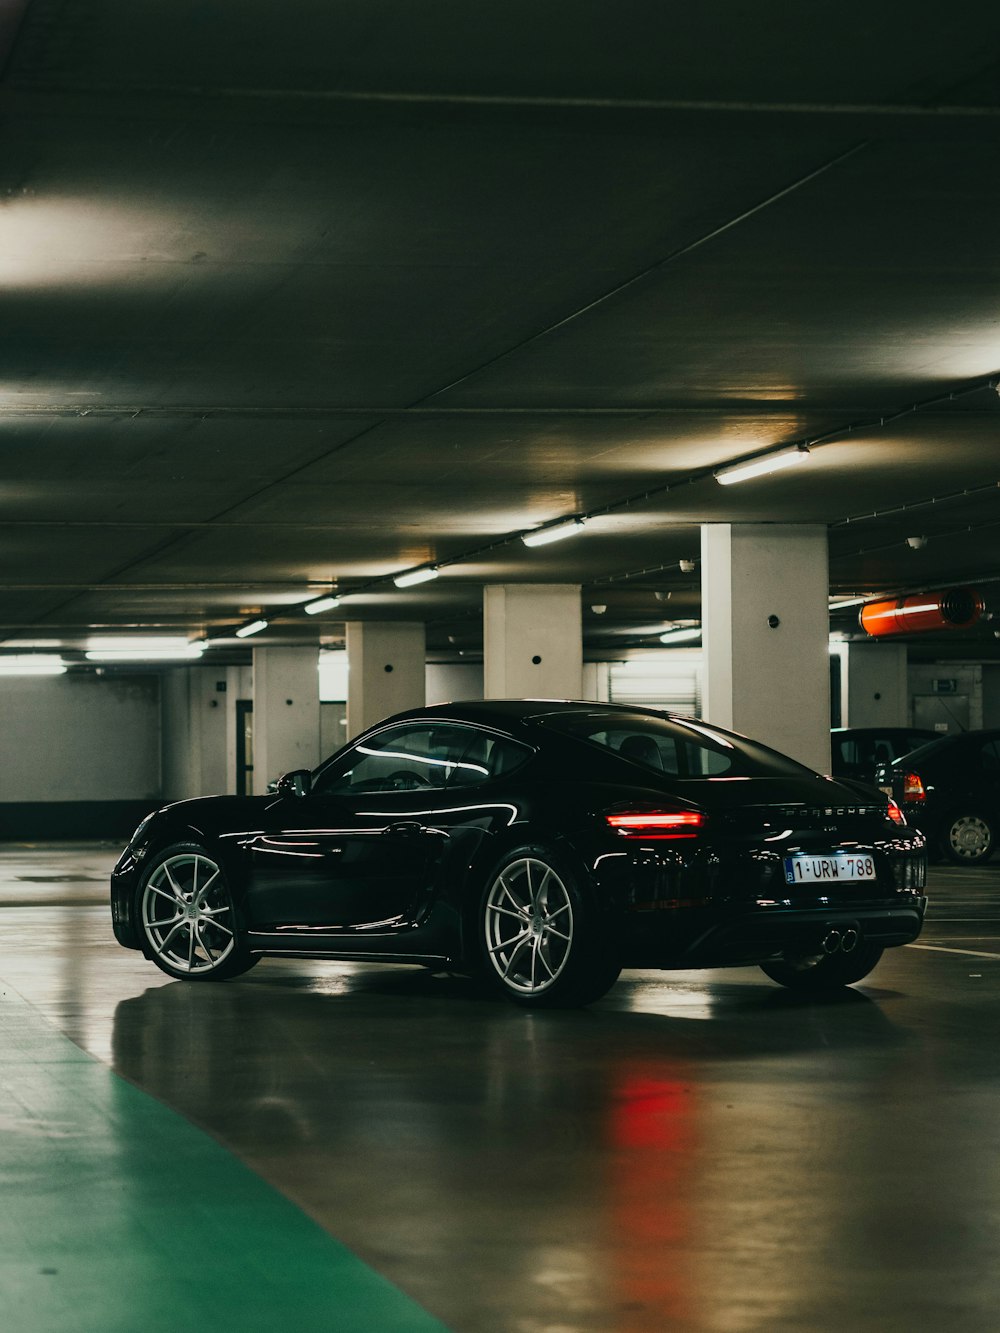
969, 837
543, 943
819, 972
188, 919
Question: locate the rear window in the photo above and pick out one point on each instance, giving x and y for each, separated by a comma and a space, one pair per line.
673, 746
929, 751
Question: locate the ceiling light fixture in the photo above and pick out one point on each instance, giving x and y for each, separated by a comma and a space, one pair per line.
32, 664
143, 648
254, 627
680, 635
415, 576
757, 467
321, 604
542, 536
189, 654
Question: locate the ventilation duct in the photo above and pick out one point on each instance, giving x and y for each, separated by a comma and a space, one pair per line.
958, 608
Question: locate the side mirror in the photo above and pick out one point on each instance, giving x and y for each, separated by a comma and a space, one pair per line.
296, 783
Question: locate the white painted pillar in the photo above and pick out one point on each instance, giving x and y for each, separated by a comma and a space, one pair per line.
285, 712
765, 633
385, 671
532, 641
877, 693
239, 687
193, 712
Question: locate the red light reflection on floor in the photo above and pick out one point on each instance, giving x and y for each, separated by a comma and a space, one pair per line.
653, 1136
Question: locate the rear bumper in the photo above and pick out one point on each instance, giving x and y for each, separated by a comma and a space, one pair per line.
728, 937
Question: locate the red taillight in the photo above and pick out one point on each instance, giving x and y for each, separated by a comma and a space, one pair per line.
894, 813
658, 824
913, 788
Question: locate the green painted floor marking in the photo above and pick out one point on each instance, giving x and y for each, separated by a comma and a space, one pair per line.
118, 1215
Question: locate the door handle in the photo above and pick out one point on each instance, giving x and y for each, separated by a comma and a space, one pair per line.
409, 828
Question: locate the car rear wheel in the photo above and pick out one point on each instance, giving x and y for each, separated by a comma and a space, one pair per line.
969, 838
188, 919
542, 941
823, 971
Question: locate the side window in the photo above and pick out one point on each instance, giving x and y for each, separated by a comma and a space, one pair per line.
848, 748
420, 755
668, 754
991, 757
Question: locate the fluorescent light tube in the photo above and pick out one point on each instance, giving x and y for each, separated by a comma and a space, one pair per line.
254, 627
680, 635
321, 604
189, 653
542, 536
32, 664
415, 576
757, 467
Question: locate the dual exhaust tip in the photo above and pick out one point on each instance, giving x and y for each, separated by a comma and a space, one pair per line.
841, 941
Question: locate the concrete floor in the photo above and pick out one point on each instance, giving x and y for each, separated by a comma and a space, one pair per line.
699, 1151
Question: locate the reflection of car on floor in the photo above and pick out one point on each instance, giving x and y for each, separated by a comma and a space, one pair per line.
542, 845
950, 788
858, 751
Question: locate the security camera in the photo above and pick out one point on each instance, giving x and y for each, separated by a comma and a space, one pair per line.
916, 543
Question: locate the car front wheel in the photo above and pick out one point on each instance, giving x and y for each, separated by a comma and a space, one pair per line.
818, 972
542, 940
188, 918
969, 838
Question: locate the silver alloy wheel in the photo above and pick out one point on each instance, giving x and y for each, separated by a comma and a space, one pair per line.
187, 915
528, 922
969, 837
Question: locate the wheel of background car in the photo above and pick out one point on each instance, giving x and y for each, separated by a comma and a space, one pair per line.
405, 779
542, 940
188, 920
821, 971
969, 838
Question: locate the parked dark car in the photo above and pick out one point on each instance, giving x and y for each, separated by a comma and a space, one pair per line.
950, 789
543, 845
857, 752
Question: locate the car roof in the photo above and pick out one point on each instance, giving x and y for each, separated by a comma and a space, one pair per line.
502, 712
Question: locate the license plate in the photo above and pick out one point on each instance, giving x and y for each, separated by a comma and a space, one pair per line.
835, 869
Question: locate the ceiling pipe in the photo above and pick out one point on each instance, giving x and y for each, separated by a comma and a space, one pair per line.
918, 613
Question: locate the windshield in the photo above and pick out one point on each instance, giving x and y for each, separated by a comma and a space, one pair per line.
678, 747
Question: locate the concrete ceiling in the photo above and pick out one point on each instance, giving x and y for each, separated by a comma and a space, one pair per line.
304, 295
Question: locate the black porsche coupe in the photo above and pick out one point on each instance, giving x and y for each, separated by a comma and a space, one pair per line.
541, 845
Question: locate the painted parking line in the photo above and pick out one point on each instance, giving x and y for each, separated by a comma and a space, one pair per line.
940, 948
122, 1215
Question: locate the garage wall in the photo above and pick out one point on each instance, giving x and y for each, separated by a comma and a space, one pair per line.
79, 755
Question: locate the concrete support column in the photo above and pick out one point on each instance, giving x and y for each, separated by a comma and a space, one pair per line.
285, 712
876, 693
765, 632
385, 671
532, 641
239, 689
193, 712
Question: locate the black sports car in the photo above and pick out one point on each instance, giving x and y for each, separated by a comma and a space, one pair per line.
543, 845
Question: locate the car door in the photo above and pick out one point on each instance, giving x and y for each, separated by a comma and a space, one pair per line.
361, 853
989, 759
